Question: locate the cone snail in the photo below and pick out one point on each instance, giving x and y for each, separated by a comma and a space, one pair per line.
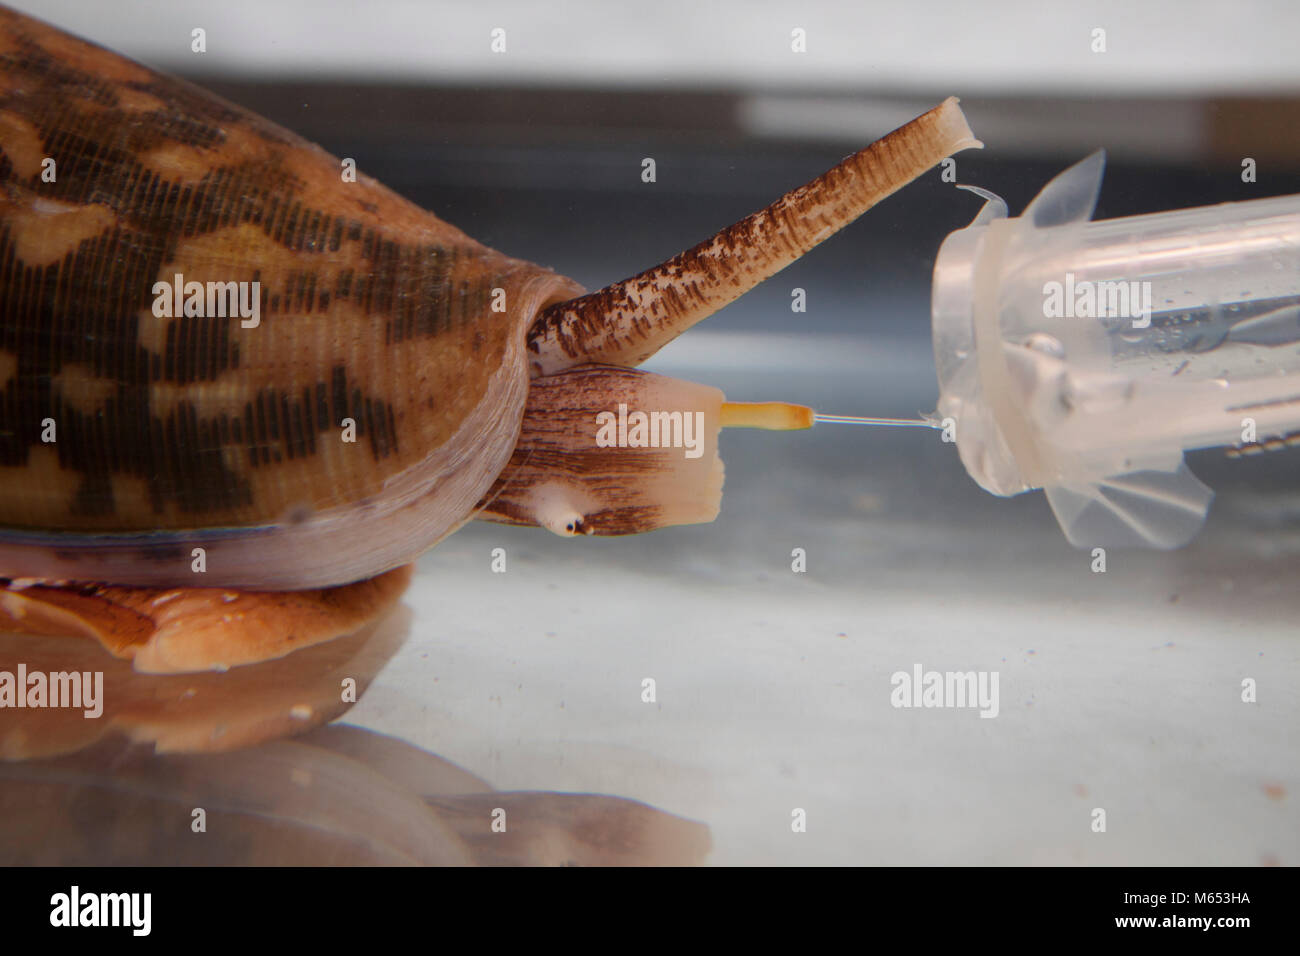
233, 373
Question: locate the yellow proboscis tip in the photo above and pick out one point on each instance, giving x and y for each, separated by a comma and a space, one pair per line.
776, 416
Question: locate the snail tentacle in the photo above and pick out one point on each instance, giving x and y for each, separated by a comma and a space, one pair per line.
627, 322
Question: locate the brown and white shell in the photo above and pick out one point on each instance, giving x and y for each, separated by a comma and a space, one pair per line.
193, 431
394, 380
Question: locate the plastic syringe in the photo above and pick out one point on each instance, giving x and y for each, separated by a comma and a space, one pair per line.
1085, 357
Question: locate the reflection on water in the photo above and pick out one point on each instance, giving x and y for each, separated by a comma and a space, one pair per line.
337, 795
193, 769
193, 713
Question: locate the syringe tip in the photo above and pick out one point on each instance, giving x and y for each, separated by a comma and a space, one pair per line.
885, 422
785, 416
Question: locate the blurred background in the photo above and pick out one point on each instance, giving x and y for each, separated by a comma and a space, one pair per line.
1119, 690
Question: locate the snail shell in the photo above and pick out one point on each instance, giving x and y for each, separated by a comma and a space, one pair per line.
141, 431
173, 433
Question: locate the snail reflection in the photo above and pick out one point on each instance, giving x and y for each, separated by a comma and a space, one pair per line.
238, 767
338, 795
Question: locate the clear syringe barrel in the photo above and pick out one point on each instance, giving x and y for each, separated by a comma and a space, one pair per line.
1085, 357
